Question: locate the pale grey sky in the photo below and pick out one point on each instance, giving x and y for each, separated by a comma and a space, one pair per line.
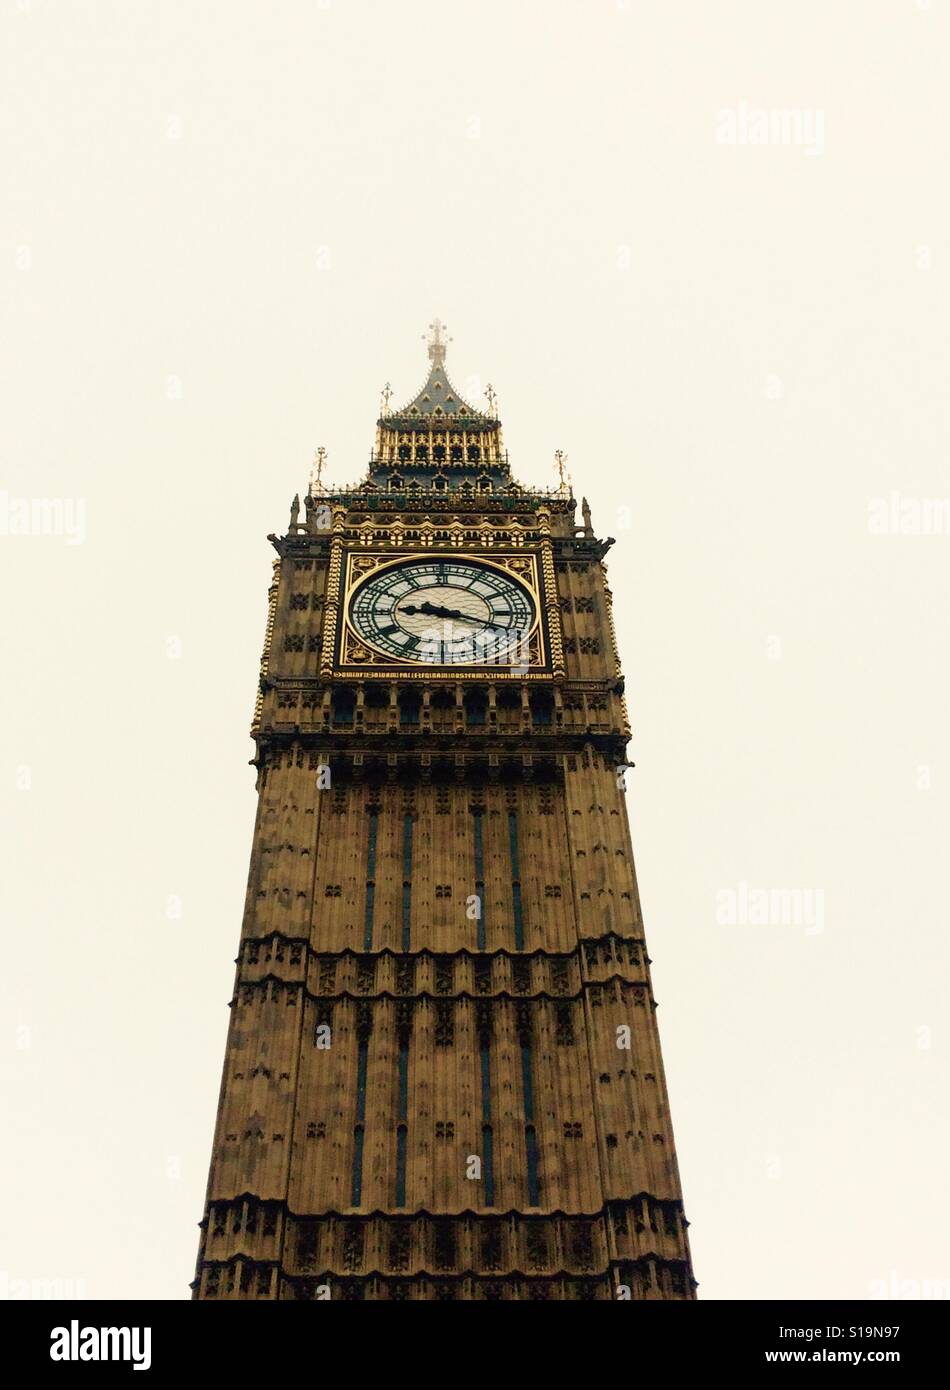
224, 227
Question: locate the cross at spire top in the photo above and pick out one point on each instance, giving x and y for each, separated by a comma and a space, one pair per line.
437, 343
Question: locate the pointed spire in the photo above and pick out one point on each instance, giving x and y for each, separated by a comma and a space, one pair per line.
294, 511
585, 513
438, 396
438, 441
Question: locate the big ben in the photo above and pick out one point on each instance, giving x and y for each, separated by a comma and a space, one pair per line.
443, 1077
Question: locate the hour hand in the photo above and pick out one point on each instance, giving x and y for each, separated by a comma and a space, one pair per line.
433, 610
436, 610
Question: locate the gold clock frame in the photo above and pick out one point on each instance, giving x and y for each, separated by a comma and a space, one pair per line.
355, 657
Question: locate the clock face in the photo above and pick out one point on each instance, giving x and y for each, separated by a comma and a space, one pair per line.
444, 612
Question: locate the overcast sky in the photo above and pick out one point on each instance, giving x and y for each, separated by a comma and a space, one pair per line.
703, 248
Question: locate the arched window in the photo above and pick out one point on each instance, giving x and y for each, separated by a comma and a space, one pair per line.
476, 706
342, 705
410, 703
542, 707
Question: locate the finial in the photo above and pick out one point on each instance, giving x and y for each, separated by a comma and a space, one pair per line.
492, 400
437, 344
386, 397
316, 472
560, 463
585, 513
294, 511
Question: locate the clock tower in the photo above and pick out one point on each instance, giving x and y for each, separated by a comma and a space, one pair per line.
443, 1076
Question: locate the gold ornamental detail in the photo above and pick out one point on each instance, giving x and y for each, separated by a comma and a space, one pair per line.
443, 533
268, 638
610, 620
355, 653
552, 606
361, 565
334, 574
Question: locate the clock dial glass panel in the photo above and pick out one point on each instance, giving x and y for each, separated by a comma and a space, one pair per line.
444, 612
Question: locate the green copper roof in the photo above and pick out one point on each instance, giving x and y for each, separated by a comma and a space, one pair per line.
438, 397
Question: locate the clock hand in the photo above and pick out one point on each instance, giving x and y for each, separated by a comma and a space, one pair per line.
435, 610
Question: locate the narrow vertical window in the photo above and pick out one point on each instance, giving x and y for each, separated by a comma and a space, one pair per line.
402, 1114
530, 1133
406, 880
488, 1168
515, 879
360, 1129
370, 881
480, 877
